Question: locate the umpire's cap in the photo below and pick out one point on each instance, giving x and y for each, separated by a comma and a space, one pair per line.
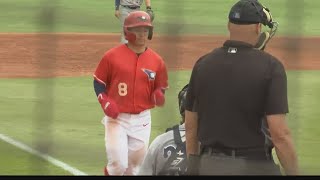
249, 12
182, 99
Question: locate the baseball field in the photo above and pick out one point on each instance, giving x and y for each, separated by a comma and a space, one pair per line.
49, 114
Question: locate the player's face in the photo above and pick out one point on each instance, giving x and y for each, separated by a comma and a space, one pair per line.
141, 34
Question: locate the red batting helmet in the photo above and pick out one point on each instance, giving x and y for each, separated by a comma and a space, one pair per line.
137, 19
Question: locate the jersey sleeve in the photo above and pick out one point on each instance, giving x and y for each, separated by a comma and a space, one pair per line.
162, 77
277, 100
117, 4
101, 72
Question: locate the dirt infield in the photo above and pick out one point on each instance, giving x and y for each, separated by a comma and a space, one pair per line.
47, 55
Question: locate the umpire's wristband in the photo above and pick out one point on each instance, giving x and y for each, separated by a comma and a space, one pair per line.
117, 7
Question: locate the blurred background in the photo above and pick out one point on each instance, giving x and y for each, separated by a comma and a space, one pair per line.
49, 49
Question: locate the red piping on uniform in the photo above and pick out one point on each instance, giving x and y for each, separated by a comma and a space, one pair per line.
134, 83
95, 77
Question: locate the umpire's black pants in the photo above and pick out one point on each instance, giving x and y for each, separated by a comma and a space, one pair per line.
219, 162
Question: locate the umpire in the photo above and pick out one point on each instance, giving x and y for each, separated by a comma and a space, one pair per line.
231, 90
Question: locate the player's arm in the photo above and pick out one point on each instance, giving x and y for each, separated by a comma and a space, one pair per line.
162, 77
161, 84
283, 143
191, 124
100, 76
191, 117
149, 9
99, 87
100, 83
149, 164
117, 6
276, 109
148, 4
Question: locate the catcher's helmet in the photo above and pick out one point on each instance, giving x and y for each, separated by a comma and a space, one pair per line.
182, 99
137, 19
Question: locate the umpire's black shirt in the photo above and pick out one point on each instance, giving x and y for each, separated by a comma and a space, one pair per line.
231, 89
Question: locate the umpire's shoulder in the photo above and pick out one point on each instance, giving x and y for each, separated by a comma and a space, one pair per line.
211, 55
272, 60
202, 59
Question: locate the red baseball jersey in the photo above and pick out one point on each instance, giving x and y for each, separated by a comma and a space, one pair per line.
130, 79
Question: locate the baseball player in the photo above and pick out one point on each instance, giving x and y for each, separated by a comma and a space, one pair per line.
167, 153
129, 81
124, 7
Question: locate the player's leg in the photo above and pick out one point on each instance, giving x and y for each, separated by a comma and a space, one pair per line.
138, 141
124, 12
116, 141
136, 154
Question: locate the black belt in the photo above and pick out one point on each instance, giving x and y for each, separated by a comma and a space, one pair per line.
254, 154
131, 7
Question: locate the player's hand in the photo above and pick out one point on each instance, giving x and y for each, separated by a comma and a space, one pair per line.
109, 107
157, 97
117, 14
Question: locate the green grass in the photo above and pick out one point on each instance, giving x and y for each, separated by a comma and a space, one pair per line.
74, 134
179, 16
63, 115
19, 162
304, 117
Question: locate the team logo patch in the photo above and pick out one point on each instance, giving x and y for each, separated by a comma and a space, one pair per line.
151, 74
236, 15
142, 18
232, 50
